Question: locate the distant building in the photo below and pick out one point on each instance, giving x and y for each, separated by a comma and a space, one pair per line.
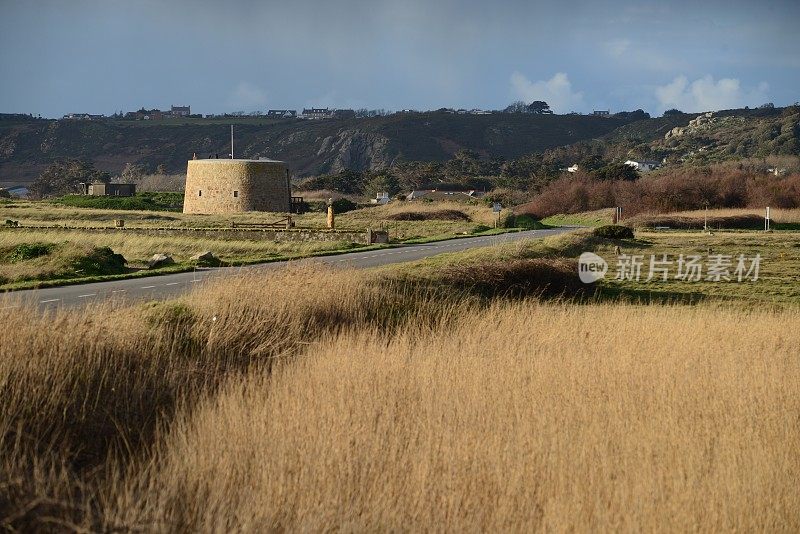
643, 165
317, 113
145, 115
83, 116
102, 189
156, 114
18, 191
344, 114
282, 113
180, 111
573, 168
381, 198
602, 112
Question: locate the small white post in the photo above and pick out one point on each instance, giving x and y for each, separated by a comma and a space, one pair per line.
766, 221
231, 141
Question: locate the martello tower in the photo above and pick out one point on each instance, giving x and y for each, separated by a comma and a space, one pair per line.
236, 185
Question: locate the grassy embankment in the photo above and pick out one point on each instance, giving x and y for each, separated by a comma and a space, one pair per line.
318, 399
431, 221
589, 218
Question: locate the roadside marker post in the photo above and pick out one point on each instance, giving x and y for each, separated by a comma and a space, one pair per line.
617, 215
766, 220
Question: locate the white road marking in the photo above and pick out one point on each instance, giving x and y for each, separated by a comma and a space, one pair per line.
120, 291
48, 300
193, 281
172, 284
148, 287
88, 295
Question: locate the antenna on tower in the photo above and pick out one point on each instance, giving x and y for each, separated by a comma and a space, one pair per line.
231, 141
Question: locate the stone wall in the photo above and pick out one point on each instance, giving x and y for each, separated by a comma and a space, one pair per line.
252, 234
218, 186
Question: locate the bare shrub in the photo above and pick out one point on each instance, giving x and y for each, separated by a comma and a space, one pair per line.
724, 185
160, 182
433, 215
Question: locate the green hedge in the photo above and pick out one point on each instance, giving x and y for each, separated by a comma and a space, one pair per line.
613, 231
140, 201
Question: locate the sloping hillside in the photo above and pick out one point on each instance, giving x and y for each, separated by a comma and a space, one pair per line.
310, 147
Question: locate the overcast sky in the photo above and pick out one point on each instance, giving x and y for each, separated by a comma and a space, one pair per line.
99, 56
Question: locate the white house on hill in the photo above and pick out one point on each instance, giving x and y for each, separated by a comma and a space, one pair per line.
643, 165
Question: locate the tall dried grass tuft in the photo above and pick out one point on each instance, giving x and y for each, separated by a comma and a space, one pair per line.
521, 417
80, 392
319, 399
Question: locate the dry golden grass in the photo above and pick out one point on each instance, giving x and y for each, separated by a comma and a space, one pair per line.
315, 399
777, 215
33, 213
139, 248
521, 417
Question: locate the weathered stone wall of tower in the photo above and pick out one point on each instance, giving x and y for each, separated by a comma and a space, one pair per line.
215, 186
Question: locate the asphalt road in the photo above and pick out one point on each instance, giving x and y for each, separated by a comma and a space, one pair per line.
171, 285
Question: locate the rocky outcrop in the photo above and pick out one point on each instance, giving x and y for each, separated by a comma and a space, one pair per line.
358, 150
698, 123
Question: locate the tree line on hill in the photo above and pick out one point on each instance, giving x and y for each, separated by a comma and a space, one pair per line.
465, 170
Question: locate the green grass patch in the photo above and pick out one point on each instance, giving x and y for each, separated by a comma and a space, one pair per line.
26, 251
614, 231
164, 201
525, 222
590, 218
778, 279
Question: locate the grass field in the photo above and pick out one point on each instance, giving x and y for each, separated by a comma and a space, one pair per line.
321, 399
778, 278
32, 213
137, 249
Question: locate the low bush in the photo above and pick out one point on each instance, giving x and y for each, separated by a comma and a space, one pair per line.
435, 215
340, 205
343, 205
515, 278
27, 251
613, 231
526, 221
49, 261
100, 260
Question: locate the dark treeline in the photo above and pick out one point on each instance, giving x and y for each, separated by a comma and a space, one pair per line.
467, 169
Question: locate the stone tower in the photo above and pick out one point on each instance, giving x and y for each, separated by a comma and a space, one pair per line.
216, 186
